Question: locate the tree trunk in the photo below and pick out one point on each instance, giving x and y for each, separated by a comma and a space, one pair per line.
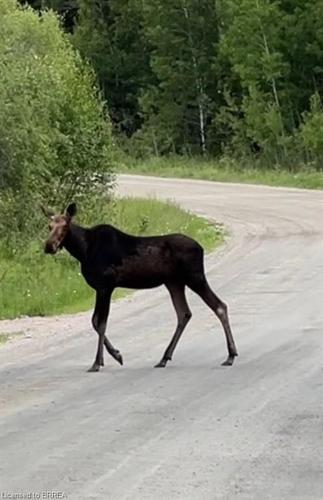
273, 80
198, 83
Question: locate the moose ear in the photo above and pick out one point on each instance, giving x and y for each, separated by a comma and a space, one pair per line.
47, 212
71, 210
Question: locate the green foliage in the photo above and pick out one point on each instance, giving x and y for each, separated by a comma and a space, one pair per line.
198, 76
252, 43
276, 57
111, 36
311, 131
177, 106
55, 135
4, 337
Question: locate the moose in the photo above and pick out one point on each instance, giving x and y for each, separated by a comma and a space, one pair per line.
110, 258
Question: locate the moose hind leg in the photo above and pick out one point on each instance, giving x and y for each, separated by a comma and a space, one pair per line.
177, 293
220, 309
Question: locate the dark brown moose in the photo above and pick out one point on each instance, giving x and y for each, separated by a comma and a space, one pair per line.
110, 258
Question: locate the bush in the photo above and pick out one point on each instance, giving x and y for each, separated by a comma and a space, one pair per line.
310, 133
55, 135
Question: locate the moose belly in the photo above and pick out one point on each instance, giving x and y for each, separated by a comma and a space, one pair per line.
131, 275
137, 284
139, 278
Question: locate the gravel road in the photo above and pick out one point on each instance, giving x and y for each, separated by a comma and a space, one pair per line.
195, 430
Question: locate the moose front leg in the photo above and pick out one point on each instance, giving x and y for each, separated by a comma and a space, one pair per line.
99, 322
113, 351
177, 293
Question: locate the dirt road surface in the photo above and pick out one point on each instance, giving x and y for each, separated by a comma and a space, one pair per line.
195, 430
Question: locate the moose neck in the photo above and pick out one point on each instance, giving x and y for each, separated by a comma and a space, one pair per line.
75, 242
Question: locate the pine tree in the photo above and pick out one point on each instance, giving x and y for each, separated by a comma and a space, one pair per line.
110, 35
253, 41
178, 107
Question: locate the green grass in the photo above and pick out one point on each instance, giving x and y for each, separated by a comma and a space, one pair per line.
33, 283
225, 170
4, 337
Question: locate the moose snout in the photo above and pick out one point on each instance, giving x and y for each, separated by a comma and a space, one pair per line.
49, 248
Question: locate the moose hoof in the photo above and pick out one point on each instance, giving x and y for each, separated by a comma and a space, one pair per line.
229, 361
161, 364
94, 368
117, 356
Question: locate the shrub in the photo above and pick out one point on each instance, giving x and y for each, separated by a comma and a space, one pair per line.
55, 134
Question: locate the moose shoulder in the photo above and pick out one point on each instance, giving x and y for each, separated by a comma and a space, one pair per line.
110, 258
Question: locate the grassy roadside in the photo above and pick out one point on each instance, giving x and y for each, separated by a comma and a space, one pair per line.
4, 337
37, 284
224, 171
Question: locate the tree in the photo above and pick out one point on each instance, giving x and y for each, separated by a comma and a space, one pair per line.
178, 106
252, 42
55, 135
199, 76
67, 10
110, 35
303, 49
